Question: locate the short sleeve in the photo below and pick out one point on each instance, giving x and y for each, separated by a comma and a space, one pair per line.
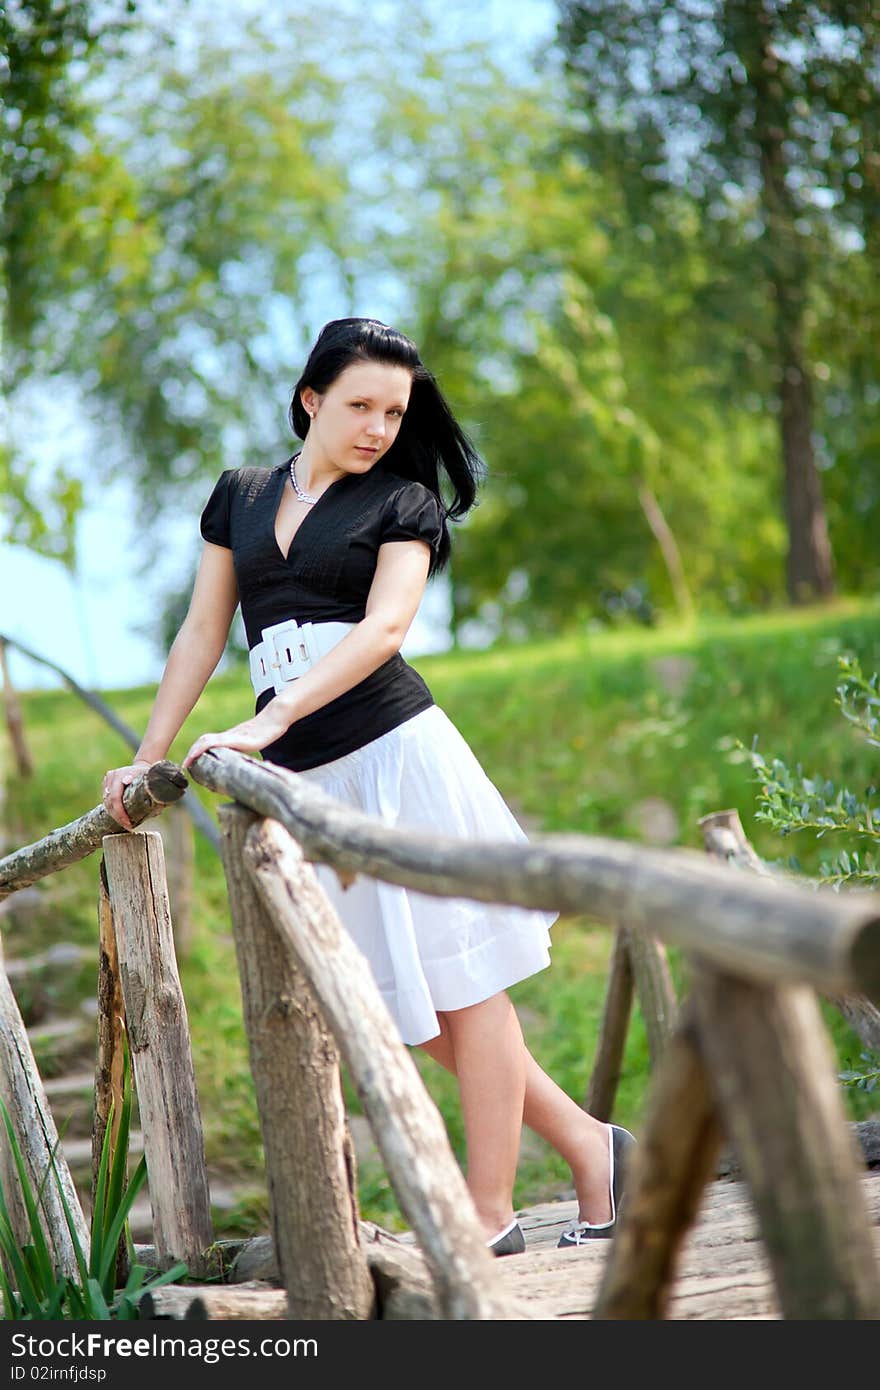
414, 514
214, 524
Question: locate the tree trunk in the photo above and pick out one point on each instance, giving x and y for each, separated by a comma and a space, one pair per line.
810, 563
662, 532
14, 722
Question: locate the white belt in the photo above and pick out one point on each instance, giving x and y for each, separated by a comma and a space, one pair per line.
289, 649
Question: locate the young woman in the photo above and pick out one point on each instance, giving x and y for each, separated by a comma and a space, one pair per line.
342, 538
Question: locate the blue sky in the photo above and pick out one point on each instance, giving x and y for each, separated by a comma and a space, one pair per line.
89, 624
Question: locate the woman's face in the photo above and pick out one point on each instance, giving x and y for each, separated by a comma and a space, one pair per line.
357, 419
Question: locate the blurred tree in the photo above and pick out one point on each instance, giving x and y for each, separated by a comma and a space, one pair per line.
162, 217
220, 201
616, 460
45, 45
757, 106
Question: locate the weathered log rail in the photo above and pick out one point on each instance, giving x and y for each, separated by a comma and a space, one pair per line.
194, 809
825, 939
744, 1058
148, 795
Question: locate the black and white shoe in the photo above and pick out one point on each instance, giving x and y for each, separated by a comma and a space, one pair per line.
620, 1141
510, 1241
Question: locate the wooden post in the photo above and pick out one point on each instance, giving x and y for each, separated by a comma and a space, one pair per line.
653, 985
158, 1034
111, 1028
774, 1078
37, 1138
406, 1125
310, 1165
14, 722
862, 1016
176, 829
110, 1063
612, 1032
725, 839
667, 1172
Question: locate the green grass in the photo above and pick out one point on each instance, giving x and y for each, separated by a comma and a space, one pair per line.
586, 733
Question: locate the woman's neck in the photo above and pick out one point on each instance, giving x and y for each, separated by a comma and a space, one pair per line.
315, 472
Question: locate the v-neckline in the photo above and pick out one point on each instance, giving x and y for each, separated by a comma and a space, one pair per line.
284, 472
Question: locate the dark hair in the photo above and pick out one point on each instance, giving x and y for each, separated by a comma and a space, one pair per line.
429, 438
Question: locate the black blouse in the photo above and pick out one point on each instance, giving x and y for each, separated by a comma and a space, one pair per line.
325, 577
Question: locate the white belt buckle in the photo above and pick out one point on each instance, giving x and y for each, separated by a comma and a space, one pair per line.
257, 663
290, 651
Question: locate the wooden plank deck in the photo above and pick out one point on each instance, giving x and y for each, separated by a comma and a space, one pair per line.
723, 1273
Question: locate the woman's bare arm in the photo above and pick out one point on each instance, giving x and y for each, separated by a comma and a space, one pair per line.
195, 652
193, 657
393, 601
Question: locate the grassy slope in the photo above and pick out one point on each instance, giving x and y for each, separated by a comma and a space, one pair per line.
585, 734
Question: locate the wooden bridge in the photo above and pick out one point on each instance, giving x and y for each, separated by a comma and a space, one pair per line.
723, 1271
742, 1062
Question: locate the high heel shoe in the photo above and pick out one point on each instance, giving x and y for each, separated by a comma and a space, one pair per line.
620, 1141
510, 1241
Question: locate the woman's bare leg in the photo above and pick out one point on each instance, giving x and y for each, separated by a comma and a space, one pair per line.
549, 1111
490, 1065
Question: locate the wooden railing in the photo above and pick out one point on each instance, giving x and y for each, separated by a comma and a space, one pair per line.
745, 1057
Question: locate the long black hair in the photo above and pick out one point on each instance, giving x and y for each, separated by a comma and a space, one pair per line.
430, 438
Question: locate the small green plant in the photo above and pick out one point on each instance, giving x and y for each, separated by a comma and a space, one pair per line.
31, 1285
863, 1080
789, 802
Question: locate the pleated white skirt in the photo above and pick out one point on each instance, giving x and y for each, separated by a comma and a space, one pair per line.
428, 953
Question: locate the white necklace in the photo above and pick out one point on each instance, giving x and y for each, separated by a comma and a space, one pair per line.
303, 496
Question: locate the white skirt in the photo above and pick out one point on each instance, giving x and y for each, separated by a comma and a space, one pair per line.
430, 953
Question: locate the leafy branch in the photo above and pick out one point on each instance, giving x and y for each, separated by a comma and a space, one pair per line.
790, 801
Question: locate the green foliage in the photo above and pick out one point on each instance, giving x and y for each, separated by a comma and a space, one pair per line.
154, 225
44, 121
760, 119
31, 1285
41, 519
581, 362
586, 335
863, 1080
790, 801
